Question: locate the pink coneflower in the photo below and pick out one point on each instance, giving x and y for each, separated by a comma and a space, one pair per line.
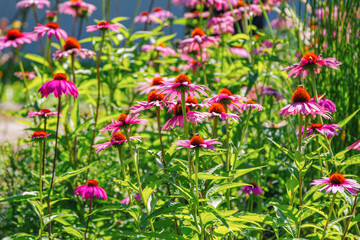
190, 102
328, 130
311, 62
301, 104
218, 110
39, 135
73, 7
159, 13
281, 23
221, 24
145, 17
154, 99
240, 51
103, 26
198, 38
337, 183
73, 47
29, 3
178, 119
226, 98
196, 142
117, 139
45, 113
155, 83
250, 104
50, 15
165, 51
124, 121
327, 104
59, 85
50, 29
183, 83
187, 3
355, 146
221, 4
28, 75
253, 189
196, 14
16, 38
192, 63
270, 91
89, 190
127, 199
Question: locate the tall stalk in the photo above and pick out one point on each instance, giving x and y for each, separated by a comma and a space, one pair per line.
54, 162
98, 96
88, 220
138, 178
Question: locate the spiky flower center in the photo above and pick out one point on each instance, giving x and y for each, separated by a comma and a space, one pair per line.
157, 81
157, 9
194, 62
197, 32
52, 25
92, 183
250, 102
192, 100
310, 56
238, 47
241, 4
103, 23
253, 185
122, 117
196, 140
43, 111
225, 91
13, 34
196, 12
145, 13
155, 95
118, 136
178, 110
59, 76
320, 96
181, 78
337, 178
71, 43
316, 125
217, 108
40, 133
300, 95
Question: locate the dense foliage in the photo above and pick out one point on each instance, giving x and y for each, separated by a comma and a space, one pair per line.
146, 134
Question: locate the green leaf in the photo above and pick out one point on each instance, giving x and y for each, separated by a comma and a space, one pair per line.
164, 39
163, 235
284, 150
35, 58
209, 176
20, 197
211, 209
127, 184
238, 173
149, 189
222, 187
167, 207
299, 160
119, 19
68, 175
346, 120
48, 219
73, 232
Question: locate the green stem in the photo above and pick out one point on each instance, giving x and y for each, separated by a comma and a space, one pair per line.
54, 162
300, 174
216, 120
27, 97
48, 53
123, 168
197, 188
352, 213
73, 68
330, 211
40, 189
244, 131
183, 108
98, 96
88, 220
138, 177
319, 156
228, 160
